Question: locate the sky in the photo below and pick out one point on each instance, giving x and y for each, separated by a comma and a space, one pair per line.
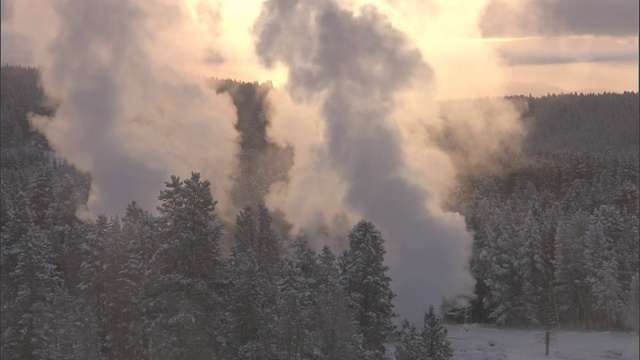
357, 101
534, 46
565, 45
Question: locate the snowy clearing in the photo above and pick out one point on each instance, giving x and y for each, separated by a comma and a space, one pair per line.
478, 342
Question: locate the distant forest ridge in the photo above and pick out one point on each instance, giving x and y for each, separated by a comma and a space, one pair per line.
592, 122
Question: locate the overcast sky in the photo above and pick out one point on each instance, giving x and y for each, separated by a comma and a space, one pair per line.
565, 45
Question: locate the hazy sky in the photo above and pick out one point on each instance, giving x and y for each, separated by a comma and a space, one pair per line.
475, 47
565, 45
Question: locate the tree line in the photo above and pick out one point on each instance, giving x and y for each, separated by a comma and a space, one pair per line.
159, 287
556, 243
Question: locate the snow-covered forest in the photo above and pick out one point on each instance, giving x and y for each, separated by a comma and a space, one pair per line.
556, 240
556, 243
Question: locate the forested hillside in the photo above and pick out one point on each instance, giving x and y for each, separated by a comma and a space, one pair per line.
555, 242
591, 123
146, 286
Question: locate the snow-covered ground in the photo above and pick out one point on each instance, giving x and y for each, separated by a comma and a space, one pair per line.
477, 342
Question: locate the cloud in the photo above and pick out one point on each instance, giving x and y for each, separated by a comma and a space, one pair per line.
567, 50
510, 18
527, 59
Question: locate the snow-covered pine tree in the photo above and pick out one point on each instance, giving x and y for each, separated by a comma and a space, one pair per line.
298, 338
254, 297
412, 345
16, 225
603, 264
531, 266
628, 252
336, 327
267, 243
497, 263
40, 315
632, 313
137, 279
96, 279
41, 195
37, 286
188, 263
365, 280
243, 309
48, 324
434, 337
569, 285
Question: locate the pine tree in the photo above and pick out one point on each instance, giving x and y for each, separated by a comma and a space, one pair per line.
498, 260
188, 266
336, 326
41, 317
38, 286
48, 324
569, 285
412, 345
137, 279
254, 297
434, 336
368, 287
96, 279
297, 330
633, 304
14, 231
41, 195
532, 270
600, 256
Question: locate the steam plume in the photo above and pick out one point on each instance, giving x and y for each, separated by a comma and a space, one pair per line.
353, 65
127, 115
357, 112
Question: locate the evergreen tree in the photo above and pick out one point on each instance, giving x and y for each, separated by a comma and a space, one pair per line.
532, 270
297, 328
188, 266
570, 287
254, 297
137, 280
48, 324
632, 313
367, 286
38, 286
41, 194
96, 280
336, 326
14, 232
434, 337
412, 345
600, 256
499, 260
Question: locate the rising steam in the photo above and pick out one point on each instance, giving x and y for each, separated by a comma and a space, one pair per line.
261, 162
352, 65
354, 128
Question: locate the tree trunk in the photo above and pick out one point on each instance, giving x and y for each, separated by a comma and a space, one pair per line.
547, 340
